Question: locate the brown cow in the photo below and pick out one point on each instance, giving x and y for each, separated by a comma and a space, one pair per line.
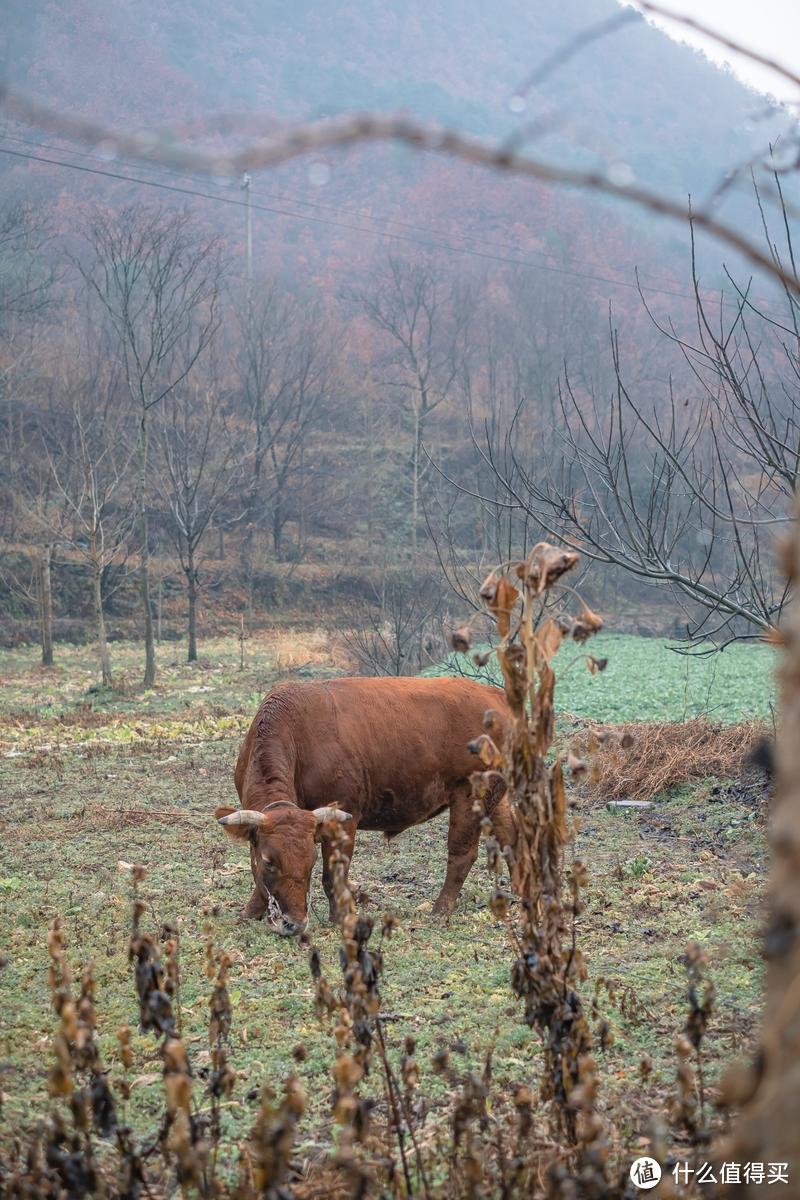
387, 753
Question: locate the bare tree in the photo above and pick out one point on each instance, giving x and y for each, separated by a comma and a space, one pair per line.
372, 434
201, 461
158, 282
262, 317
527, 328
301, 408
26, 288
685, 490
90, 472
285, 359
26, 277
425, 321
39, 516
403, 630
26, 282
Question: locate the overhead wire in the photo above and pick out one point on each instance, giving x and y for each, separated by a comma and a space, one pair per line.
438, 244
359, 214
407, 225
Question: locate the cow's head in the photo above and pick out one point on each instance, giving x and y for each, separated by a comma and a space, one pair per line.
283, 849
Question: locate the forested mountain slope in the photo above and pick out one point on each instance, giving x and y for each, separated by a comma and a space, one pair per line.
631, 97
528, 280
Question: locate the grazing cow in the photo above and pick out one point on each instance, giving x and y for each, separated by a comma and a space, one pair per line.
371, 753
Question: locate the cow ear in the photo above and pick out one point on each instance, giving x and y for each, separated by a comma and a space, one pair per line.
237, 833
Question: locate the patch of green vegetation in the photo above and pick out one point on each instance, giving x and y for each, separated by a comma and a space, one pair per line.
639, 866
646, 680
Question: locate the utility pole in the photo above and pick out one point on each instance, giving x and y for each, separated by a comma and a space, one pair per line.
248, 228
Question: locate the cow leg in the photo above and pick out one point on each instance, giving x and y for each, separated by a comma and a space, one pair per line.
463, 836
346, 847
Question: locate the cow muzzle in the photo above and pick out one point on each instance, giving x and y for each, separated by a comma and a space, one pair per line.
289, 928
280, 922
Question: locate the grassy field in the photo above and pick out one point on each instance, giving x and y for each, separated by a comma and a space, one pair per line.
89, 778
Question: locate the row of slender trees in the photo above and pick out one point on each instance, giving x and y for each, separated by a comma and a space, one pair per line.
136, 382
430, 421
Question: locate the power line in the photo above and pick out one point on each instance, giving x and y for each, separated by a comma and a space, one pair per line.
430, 245
354, 128
318, 204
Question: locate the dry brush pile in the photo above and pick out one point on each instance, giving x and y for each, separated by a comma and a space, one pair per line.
638, 761
549, 1136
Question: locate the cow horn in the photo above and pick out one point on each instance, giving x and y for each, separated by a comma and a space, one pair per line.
244, 816
331, 814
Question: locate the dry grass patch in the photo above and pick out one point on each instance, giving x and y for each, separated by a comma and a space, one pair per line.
640, 760
298, 649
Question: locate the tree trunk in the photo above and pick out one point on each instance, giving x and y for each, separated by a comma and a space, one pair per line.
769, 1090
415, 488
191, 576
249, 584
46, 605
277, 526
105, 657
247, 548
246, 562
369, 501
144, 560
301, 516
159, 607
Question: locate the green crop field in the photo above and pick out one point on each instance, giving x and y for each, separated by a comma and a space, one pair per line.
90, 778
646, 680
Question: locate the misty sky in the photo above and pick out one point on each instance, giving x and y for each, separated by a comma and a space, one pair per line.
771, 27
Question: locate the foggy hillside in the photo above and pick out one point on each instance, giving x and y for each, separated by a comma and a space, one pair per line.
346, 453
635, 99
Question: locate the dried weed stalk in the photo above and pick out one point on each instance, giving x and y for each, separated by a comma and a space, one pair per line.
358, 1032
549, 965
62, 1159
689, 1106
183, 1139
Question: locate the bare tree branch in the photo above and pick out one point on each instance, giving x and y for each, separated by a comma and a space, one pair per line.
350, 129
